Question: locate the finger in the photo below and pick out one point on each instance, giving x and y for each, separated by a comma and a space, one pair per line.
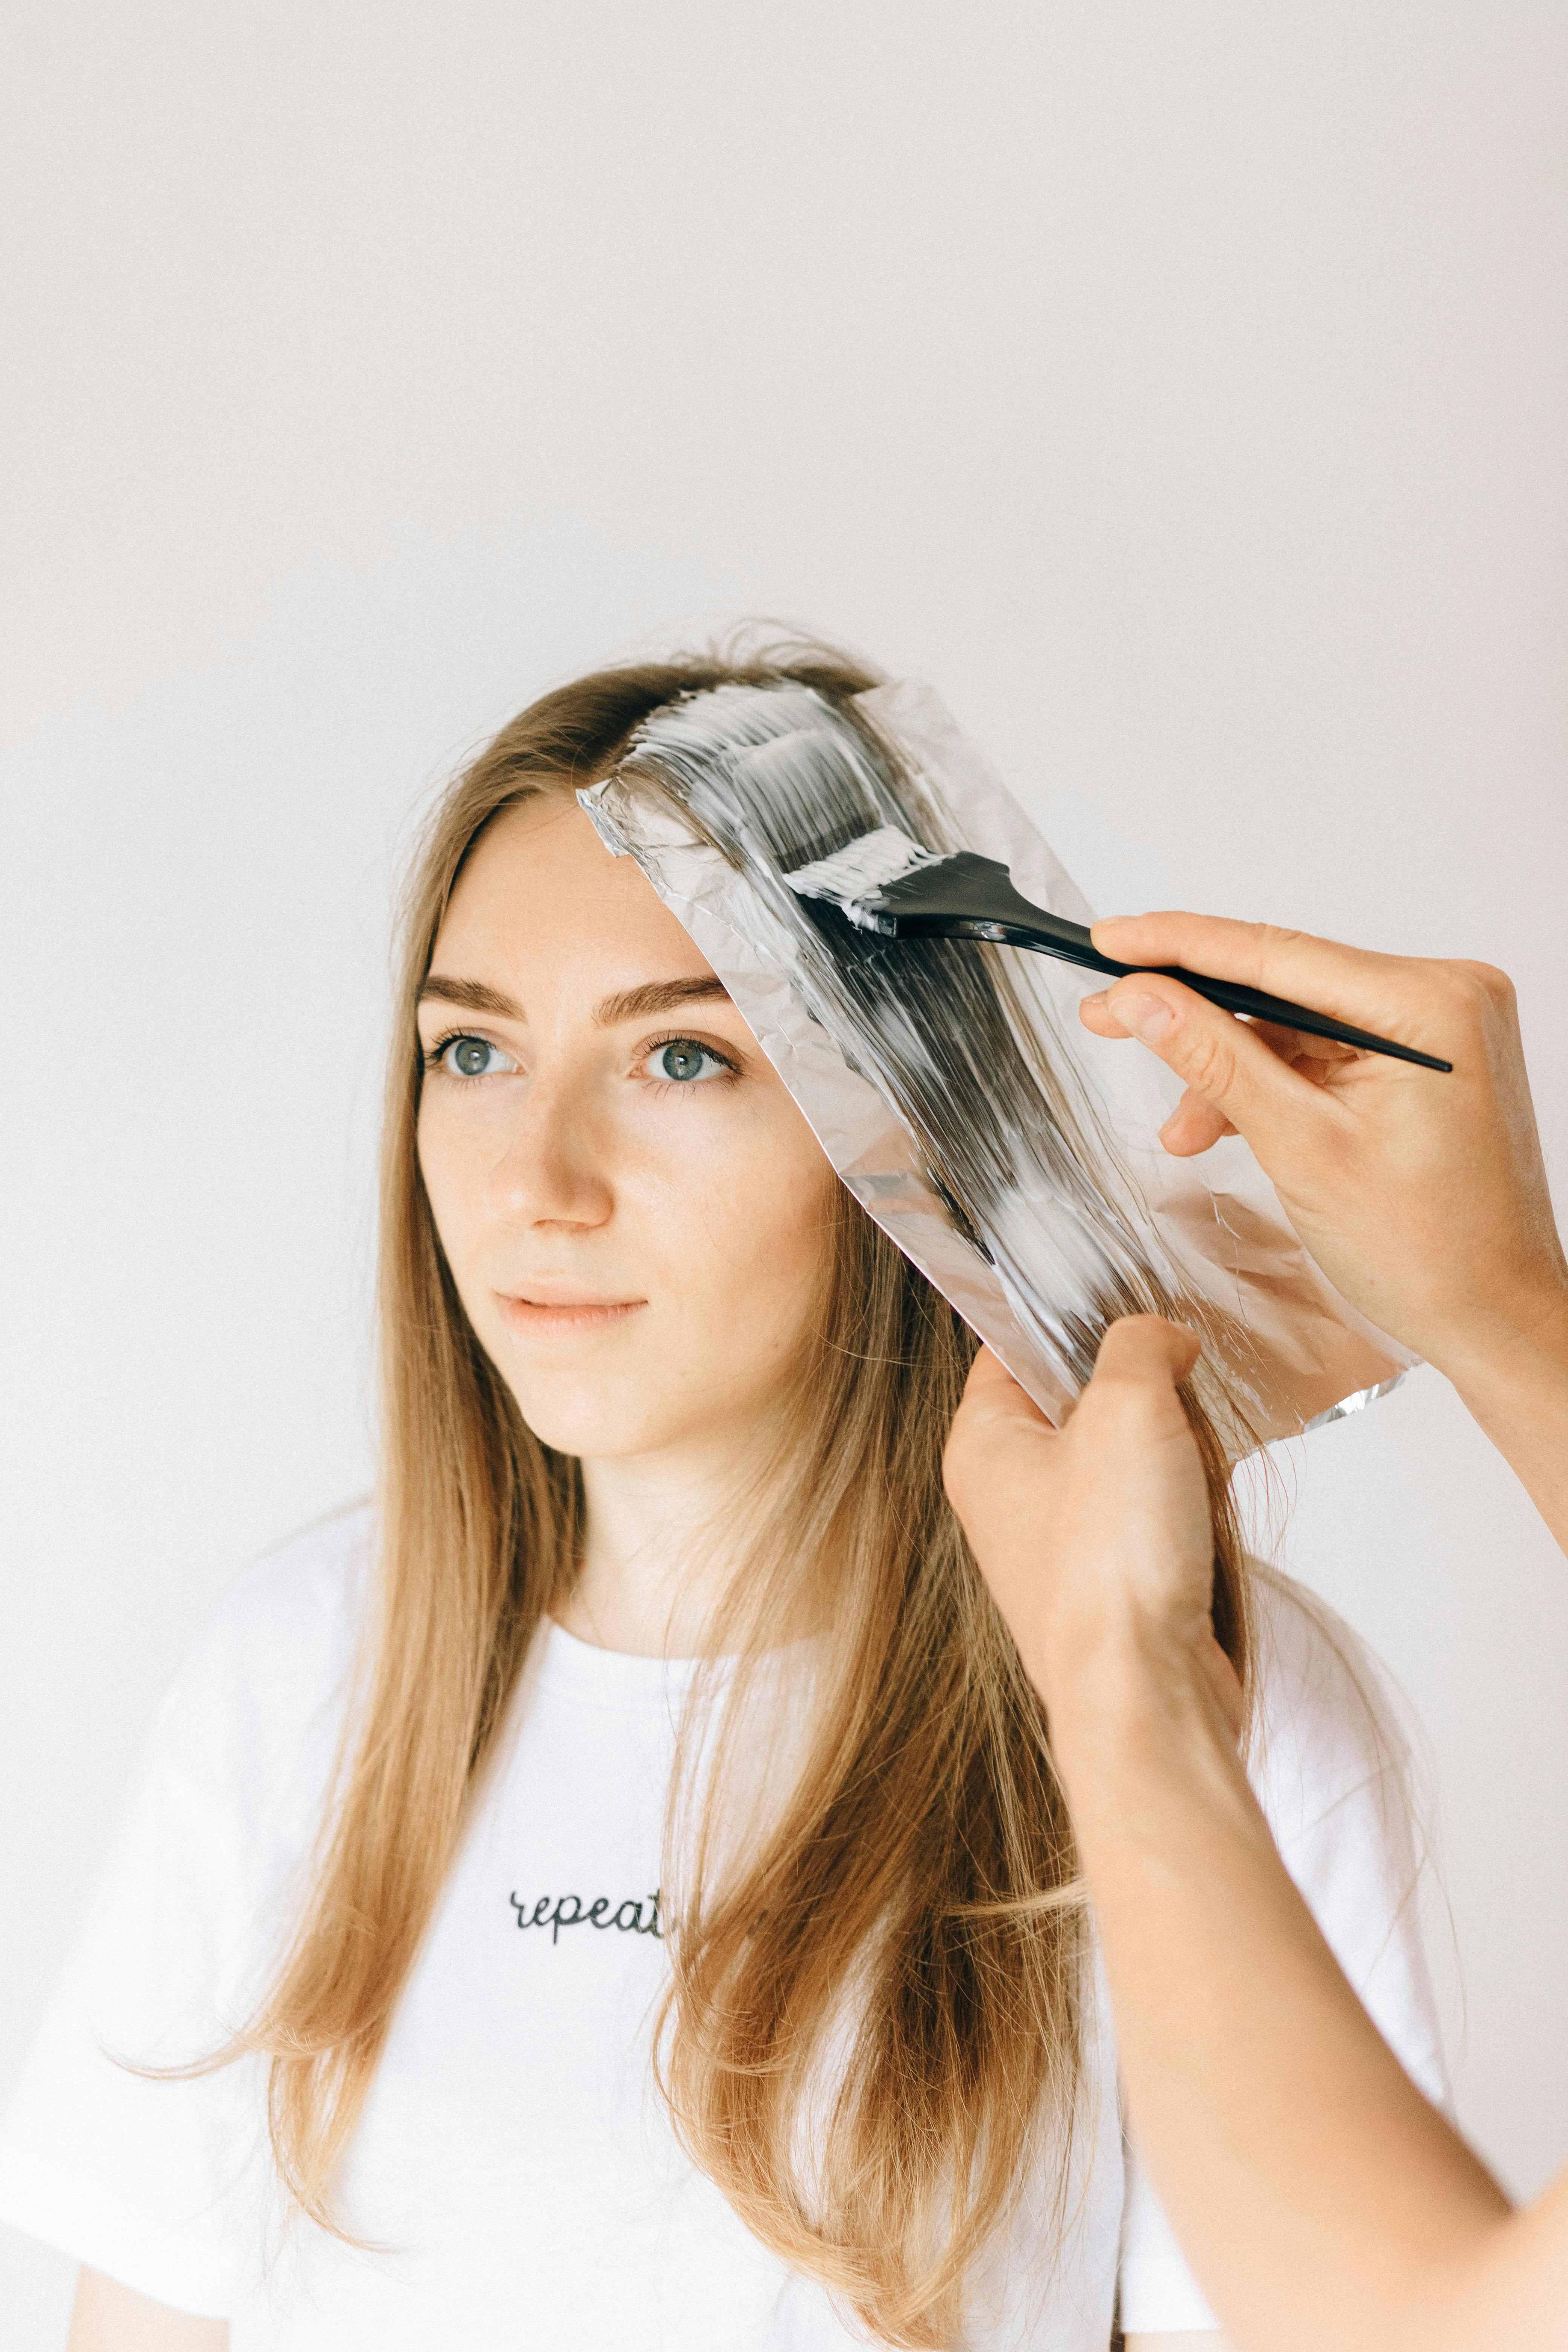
1145, 1351
1095, 1014
992, 1391
994, 1416
1218, 1058
1299, 1046
1390, 995
1194, 1126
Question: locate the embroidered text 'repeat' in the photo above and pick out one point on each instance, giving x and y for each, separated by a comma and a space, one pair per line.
558, 1911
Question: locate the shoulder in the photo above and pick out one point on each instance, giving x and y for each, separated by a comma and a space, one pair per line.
304, 1595
1326, 1713
1332, 1767
258, 1705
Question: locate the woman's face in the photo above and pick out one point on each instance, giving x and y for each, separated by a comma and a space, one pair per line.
634, 1210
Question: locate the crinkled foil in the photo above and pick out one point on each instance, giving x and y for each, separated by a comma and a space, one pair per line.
1204, 1238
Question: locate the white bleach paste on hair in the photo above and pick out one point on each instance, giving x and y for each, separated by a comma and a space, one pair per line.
1012, 1157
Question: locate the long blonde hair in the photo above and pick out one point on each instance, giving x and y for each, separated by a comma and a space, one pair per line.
907, 1930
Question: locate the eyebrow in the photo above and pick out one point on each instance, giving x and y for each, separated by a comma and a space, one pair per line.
628, 1004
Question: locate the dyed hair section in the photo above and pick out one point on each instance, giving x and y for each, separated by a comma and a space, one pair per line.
778, 776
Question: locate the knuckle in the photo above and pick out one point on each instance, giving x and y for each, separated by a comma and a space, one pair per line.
1207, 1062
1274, 943
1476, 999
1490, 988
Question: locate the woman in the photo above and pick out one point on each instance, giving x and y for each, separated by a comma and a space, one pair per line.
1324, 2200
390, 2026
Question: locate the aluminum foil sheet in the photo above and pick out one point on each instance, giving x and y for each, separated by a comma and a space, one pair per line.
1009, 1153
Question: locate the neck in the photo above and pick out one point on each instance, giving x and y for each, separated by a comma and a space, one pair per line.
655, 1554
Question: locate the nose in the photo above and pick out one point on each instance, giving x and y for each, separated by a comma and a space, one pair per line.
553, 1169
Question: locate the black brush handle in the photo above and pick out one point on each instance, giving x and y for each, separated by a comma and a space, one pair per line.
980, 903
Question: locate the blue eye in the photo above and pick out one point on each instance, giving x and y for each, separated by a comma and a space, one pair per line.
683, 1060
472, 1057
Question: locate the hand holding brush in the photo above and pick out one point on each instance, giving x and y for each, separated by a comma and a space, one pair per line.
1426, 1206
887, 883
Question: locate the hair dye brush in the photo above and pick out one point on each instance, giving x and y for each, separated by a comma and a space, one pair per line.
887, 883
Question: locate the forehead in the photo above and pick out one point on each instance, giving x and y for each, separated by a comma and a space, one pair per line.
541, 895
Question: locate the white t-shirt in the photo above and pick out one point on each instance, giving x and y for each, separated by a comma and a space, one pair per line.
513, 2163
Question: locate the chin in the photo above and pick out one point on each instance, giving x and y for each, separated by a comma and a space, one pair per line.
589, 1418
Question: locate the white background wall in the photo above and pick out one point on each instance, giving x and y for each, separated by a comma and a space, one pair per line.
1181, 387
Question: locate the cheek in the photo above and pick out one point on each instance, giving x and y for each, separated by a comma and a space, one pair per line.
751, 1226
452, 1180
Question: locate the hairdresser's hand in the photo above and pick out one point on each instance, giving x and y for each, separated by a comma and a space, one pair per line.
1095, 1538
1421, 1196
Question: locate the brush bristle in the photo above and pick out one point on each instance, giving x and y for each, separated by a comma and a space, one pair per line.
867, 865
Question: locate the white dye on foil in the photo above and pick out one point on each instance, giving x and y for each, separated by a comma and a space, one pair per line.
949, 1082
868, 865
773, 775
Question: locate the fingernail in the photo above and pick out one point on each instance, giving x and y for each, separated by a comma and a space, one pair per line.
1148, 1017
1097, 999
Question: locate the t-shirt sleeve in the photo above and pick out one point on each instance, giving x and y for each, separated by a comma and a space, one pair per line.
1330, 1771
155, 2181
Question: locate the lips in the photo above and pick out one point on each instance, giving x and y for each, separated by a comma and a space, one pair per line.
563, 1317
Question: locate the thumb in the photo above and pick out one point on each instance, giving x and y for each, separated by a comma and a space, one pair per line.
1148, 1350
992, 1394
1216, 1055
